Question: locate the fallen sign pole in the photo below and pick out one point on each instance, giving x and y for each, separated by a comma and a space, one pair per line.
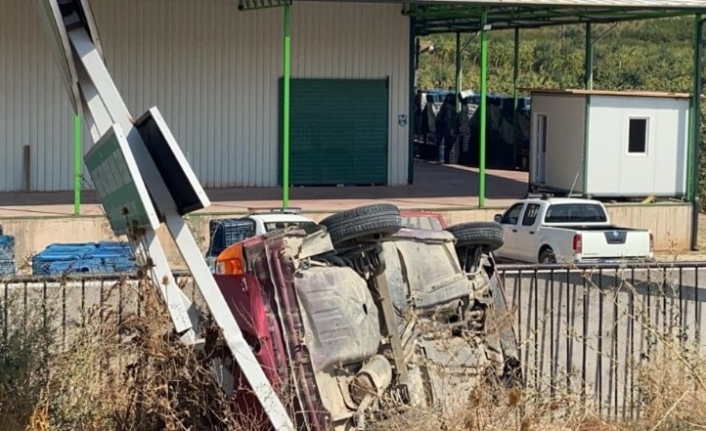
142, 179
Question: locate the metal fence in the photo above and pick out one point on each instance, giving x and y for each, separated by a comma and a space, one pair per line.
588, 330
584, 331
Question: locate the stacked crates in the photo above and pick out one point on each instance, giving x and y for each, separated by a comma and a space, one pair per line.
226, 232
7, 256
87, 258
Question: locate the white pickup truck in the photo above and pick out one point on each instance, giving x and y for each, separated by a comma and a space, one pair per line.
568, 230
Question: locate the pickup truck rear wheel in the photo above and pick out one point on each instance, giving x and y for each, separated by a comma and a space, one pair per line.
547, 256
488, 235
365, 221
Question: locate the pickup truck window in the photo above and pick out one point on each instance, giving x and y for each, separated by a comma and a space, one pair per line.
283, 225
575, 213
512, 215
530, 215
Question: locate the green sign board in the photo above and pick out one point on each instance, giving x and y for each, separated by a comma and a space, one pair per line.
119, 184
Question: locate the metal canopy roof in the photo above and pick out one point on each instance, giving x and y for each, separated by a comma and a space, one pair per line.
451, 16
464, 15
572, 3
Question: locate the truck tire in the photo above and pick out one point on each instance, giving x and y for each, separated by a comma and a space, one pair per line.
546, 256
369, 220
488, 235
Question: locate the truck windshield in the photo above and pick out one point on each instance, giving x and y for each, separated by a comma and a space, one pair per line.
575, 213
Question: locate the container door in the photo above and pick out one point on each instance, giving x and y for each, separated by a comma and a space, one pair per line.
541, 148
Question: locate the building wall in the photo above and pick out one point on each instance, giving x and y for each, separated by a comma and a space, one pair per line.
212, 70
565, 137
34, 106
662, 171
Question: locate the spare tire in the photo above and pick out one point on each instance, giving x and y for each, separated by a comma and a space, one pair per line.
369, 220
488, 235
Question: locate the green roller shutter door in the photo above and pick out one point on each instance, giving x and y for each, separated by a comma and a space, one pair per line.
338, 131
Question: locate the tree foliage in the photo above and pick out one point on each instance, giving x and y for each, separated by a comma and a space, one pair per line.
649, 55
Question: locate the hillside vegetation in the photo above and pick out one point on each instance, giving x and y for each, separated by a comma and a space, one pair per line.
649, 55
654, 55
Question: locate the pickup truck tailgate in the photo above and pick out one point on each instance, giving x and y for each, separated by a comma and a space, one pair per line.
615, 244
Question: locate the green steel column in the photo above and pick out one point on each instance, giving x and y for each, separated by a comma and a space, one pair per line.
515, 99
458, 71
588, 84
285, 101
412, 87
483, 105
694, 129
696, 142
588, 59
77, 164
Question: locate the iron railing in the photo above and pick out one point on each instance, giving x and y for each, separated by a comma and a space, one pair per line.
587, 330
584, 331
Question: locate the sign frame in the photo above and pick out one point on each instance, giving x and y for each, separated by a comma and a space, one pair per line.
173, 167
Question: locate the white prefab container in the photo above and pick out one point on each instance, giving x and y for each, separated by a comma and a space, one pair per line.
610, 144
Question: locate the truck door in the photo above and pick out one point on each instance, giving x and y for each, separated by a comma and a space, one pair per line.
526, 235
509, 222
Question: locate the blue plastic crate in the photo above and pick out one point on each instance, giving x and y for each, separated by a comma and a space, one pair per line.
113, 247
115, 257
122, 264
71, 267
7, 247
226, 232
7, 268
110, 251
68, 253
104, 257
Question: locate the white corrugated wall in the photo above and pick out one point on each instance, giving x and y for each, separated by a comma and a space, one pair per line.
213, 72
34, 106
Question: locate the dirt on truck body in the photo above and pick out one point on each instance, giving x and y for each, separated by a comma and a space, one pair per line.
358, 319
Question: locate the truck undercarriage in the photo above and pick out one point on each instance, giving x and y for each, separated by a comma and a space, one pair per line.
384, 321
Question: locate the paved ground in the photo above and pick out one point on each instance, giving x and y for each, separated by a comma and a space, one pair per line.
435, 186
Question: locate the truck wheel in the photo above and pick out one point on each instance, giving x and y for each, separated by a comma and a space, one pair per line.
369, 220
488, 235
547, 256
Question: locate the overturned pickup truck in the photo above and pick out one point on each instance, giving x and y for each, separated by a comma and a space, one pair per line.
357, 320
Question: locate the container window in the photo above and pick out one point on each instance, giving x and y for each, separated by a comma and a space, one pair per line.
637, 136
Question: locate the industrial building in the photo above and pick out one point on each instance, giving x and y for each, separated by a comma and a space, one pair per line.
214, 72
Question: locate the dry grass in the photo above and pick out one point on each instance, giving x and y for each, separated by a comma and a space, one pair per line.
127, 373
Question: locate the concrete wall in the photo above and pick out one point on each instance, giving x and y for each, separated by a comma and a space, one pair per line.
565, 139
612, 171
671, 225
211, 69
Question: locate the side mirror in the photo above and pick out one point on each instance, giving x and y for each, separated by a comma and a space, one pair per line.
498, 218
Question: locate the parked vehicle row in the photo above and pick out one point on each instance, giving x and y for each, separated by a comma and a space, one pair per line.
535, 230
